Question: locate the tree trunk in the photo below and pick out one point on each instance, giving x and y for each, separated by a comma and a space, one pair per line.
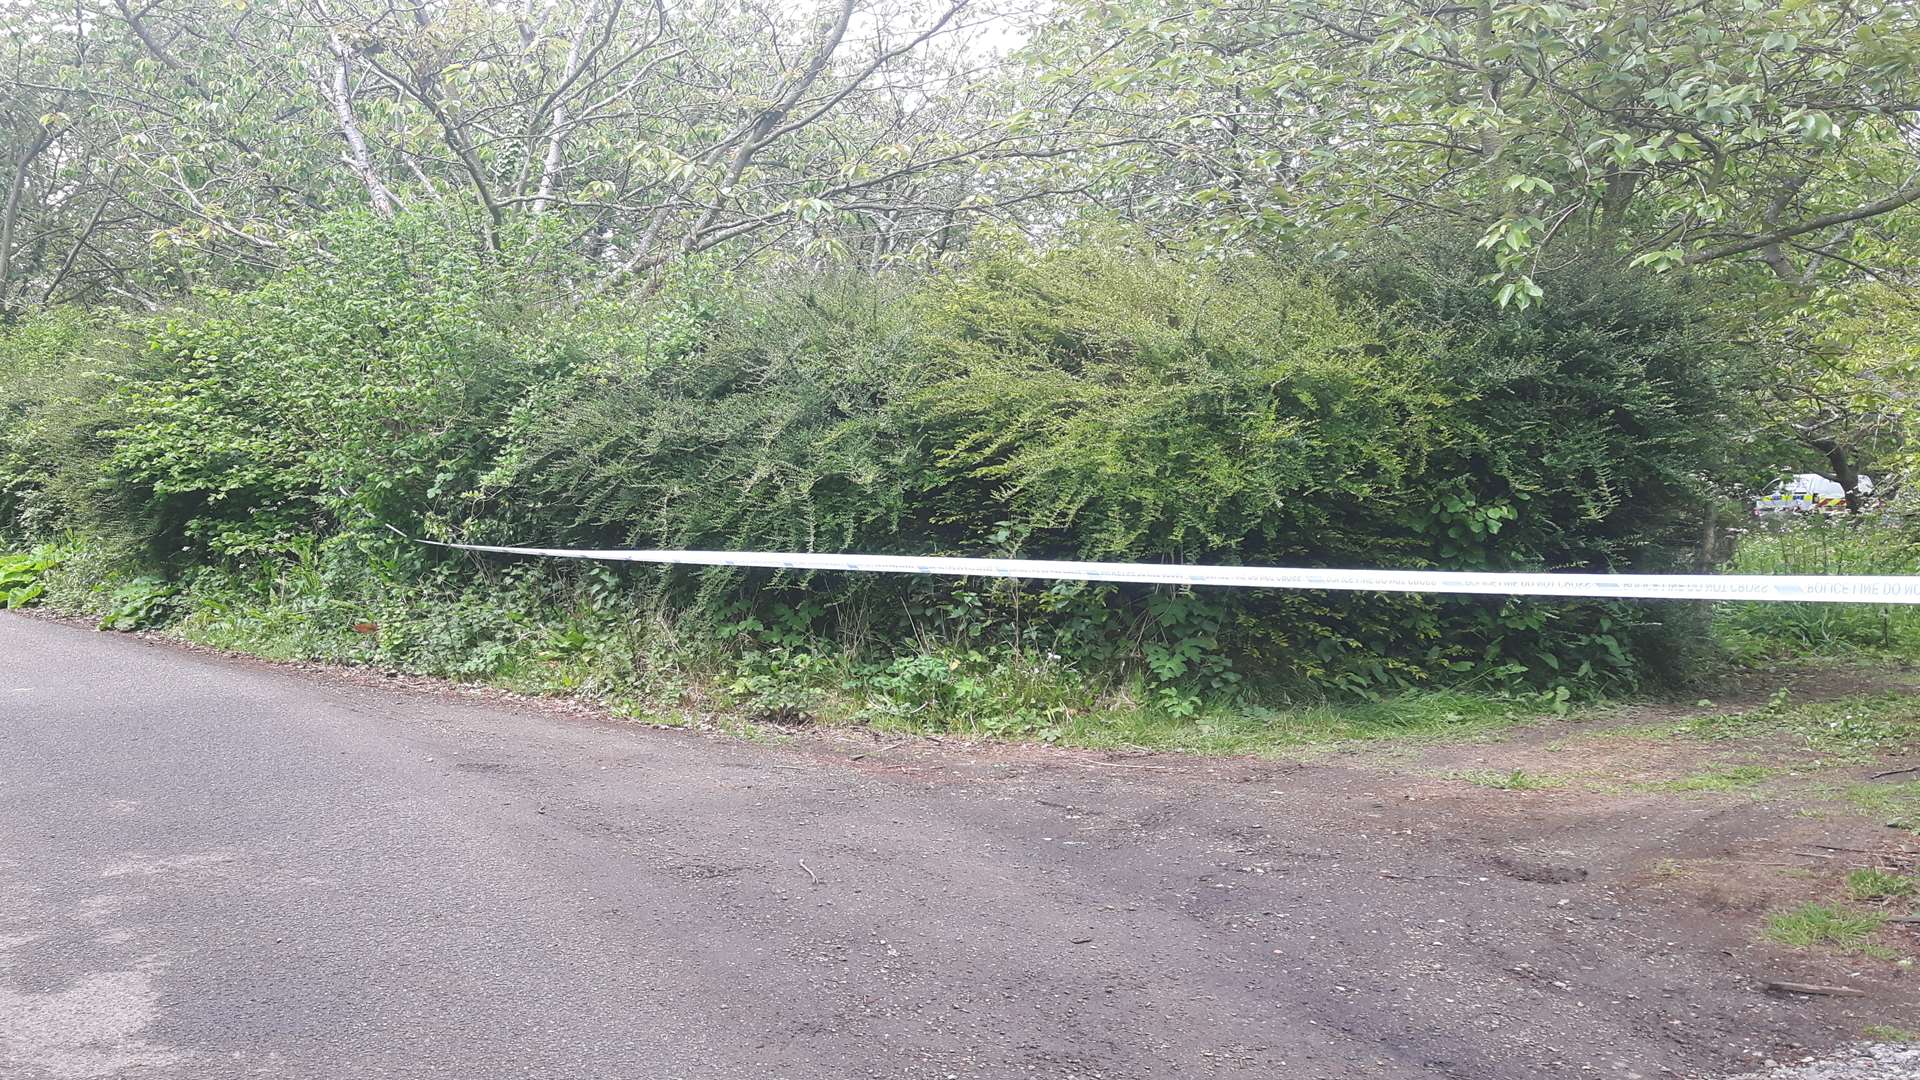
557, 127
340, 95
10, 214
1492, 144
1845, 471
1708, 553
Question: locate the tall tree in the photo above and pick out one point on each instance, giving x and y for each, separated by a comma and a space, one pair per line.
1667, 132
208, 133
57, 204
649, 129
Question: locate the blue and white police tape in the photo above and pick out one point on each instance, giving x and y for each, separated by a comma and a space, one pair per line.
1846, 589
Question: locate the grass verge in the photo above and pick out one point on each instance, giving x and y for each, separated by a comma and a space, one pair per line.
1898, 802
1721, 779
1516, 780
1851, 729
1823, 926
1876, 884
1258, 731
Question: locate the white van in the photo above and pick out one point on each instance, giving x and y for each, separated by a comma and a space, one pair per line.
1806, 492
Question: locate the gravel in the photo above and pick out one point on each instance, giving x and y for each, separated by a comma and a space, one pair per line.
1869, 1061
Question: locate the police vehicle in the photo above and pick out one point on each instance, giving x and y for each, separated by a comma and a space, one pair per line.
1807, 493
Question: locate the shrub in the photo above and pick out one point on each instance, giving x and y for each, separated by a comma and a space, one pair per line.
1122, 404
752, 421
1109, 401
1815, 544
361, 385
1599, 412
59, 376
1117, 403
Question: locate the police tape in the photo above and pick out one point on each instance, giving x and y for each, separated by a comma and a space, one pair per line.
1845, 589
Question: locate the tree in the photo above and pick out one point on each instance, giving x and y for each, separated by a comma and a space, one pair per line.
649, 130
1841, 377
56, 189
1672, 133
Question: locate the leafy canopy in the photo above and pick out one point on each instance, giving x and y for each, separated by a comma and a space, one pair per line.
1666, 132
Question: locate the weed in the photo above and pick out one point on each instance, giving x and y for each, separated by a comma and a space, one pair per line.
1875, 884
1669, 868
1848, 729
1720, 779
1815, 925
23, 577
1888, 1034
1898, 802
1412, 718
541, 631
1517, 780
1817, 545
781, 686
140, 604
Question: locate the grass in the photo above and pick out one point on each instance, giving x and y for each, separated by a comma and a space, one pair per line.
1888, 1034
489, 644
1877, 884
1517, 780
544, 632
1897, 802
1855, 728
1821, 926
1725, 778
1431, 717
540, 639
542, 635
1815, 545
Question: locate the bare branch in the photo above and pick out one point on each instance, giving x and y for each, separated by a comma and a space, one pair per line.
1902, 197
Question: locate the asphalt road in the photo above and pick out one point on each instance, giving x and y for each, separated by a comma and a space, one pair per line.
217, 869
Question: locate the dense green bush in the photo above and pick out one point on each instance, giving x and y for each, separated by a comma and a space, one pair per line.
1106, 401
1121, 404
748, 420
1114, 403
362, 384
60, 375
1596, 416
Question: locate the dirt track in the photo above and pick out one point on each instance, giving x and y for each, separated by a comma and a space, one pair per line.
270, 873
